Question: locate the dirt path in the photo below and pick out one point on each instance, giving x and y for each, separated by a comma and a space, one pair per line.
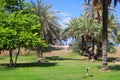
58, 51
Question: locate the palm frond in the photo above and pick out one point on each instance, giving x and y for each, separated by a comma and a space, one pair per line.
49, 23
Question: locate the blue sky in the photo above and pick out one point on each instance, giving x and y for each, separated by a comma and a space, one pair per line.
117, 10
70, 8
67, 8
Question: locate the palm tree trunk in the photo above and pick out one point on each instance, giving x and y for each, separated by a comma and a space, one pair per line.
39, 54
44, 32
104, 35
11, 60
92, 52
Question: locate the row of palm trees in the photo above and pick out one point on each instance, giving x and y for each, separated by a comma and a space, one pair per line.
86, 34
98, 11
51, 28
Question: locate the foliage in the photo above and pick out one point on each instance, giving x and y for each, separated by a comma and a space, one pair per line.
8, 39
19, 29
111, 49
49, 22
76, 46
116, 33
104, 6
86, 34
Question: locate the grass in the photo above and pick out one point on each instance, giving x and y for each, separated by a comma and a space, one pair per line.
68, 67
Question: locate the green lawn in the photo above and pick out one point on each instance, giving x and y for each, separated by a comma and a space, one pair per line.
67, 68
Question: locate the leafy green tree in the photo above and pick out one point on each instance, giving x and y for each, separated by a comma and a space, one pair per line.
7, 41
14, 5
19, 30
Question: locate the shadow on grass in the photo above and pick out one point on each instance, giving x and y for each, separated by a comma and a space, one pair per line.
85, 76
32, 64
115, 67
112, 67
35, 64
60, 58
2, 58
109, 59
5, 67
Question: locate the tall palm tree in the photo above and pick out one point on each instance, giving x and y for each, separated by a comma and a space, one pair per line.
49, 22
104, 5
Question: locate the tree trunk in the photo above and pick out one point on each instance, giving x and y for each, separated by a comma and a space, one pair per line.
83, 44
44, 32
92, 52
39, 54
17, 55
11, 60
104, 35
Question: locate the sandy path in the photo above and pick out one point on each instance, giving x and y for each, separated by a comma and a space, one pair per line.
59, 51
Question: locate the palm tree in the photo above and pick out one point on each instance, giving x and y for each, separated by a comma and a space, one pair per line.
84, 31
94, 12
72, 30
104, 5
49, 22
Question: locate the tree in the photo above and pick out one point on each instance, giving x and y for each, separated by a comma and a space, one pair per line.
19, 30
85, 33
96, 14
104, 6
49, 23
